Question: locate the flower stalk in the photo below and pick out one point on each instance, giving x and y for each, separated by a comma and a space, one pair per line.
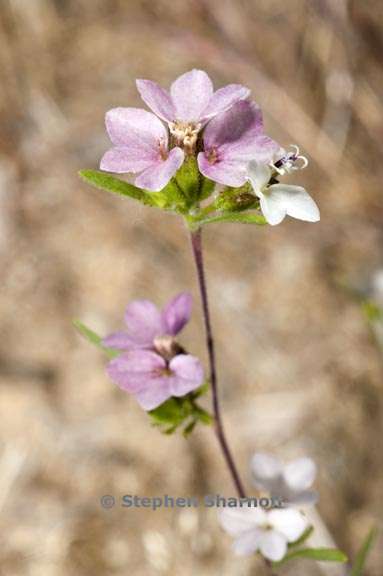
196, 243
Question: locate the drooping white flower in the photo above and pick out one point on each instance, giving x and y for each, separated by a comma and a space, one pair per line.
289, 162
264, 531
290, 482
280, 200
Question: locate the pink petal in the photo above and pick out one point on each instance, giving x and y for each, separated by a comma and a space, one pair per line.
224, 172
177, 313
157, 99
158, 175
144, 322
121, 160
120, 341
234, 128
225, 97
155, 394
135, 128
191, 94
136, 370
188, 374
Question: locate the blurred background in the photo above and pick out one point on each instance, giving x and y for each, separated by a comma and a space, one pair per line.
296, 308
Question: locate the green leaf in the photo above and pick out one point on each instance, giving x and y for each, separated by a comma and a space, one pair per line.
306, 534
105, 181
237, 217
207, 188
319, 554
170, 412
188, 180
361, 557
93, 338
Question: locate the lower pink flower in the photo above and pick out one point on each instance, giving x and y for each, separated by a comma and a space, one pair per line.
152, 379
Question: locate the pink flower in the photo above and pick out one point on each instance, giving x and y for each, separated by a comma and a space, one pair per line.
153, 366
141, 147
152, 379
145, 323
192, 98
231, 140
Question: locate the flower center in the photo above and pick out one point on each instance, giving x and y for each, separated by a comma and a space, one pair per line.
185, 134
167, 347
212, 156
163, 150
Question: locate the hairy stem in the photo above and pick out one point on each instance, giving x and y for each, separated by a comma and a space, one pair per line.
196, 242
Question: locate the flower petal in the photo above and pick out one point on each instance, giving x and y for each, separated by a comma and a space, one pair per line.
224, 172
237, 520
296, 202
136, 370
155, 394
288, 522
187, 374
158, 175
248, 543
135, 128
144, 322
266, 469
177, 313
225, 97
259, 175
157, 99
124, 159
120, 341
239, 124
191, 94
273, 545
272, 208
300, 474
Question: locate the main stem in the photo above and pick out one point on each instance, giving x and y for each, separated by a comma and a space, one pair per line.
196, 242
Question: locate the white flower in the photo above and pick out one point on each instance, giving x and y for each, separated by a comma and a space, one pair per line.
288, 162
290, 482
266, 531
279, 200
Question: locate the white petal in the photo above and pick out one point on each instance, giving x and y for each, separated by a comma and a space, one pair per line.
266, 469
247, 543
288, 522
300, 474
273, 545
259, 175
295, 201
236, 521
272, 209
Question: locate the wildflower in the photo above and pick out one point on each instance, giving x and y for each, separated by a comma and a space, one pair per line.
190, 104
152, 379
146, 324
266, 531
231, 140
288, 162
153, 366
141, 146
279, 200
290, 482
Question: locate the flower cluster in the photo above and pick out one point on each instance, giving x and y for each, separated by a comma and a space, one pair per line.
271, 531
153, 366
222, 129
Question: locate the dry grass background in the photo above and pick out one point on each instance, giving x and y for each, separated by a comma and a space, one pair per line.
299, 370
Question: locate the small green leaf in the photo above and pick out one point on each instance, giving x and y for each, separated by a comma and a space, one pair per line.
170, 412
201, 391
306, 534
105, 181
207, 188
361, 557
93, 338
237, 217
188, 180
319, 554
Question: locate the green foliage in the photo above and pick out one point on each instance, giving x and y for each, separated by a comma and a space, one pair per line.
236, 199
361, 557
372, 311
188, 179
235, 217
93, 338
109, 183
319, 554
184, 411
